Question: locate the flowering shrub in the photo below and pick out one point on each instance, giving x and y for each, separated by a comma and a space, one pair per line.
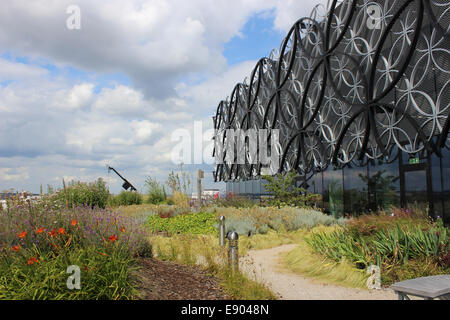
39, 241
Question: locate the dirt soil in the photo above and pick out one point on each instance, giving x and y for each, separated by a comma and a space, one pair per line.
162, 280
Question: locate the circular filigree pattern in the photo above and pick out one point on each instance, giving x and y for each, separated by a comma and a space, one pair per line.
357, 80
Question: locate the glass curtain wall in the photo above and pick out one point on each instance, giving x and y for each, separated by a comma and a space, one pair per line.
356, 190
383, 185
333, 192
422, 181
445, 194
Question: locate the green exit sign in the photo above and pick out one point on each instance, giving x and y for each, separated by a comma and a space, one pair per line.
414, 161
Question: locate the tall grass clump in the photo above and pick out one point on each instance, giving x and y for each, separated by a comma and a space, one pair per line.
394, 247
305, 261
126, 198
180, 199
93, 194
39, 241
156, 193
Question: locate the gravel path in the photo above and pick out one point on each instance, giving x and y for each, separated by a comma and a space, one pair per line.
264, 266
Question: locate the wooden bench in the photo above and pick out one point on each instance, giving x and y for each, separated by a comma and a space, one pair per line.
428, 288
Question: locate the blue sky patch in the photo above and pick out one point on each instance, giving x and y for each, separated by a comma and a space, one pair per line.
257, 40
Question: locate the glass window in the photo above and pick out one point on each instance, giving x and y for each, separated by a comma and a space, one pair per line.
383, 185
438, 198
446, 185
333, 196
416, 189
241, 187
315, 186
263, 189
249, 187
235, 187
355, 190
257, 187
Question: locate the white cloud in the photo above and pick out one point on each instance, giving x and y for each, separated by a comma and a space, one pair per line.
53, 127
207, 95
10, 71
14, 174
289, 11
119, 101
153, 42
79, 96
144, 130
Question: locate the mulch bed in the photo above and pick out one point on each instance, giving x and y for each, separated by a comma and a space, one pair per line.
162, 280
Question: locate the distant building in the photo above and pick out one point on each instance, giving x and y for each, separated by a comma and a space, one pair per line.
207, 194
27, 196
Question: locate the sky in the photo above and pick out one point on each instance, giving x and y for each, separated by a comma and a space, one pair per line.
114, 91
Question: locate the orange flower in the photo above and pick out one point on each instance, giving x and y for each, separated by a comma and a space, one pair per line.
52, 233
22, 234
40, 230
122, 229
15, 248
112, 238
61, 231
74, 223
103, 254
32, 260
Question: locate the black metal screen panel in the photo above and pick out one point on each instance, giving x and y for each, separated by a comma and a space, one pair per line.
354, 81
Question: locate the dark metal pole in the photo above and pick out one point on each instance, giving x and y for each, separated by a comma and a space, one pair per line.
126, 181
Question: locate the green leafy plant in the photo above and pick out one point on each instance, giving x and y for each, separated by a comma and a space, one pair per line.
195, 223
393, 247
93, 194
155, 191
126, 198
285, 193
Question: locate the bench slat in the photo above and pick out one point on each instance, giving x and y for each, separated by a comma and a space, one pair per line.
431, 287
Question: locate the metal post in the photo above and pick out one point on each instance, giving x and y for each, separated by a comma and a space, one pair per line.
222, 231
233, 254
200, 176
